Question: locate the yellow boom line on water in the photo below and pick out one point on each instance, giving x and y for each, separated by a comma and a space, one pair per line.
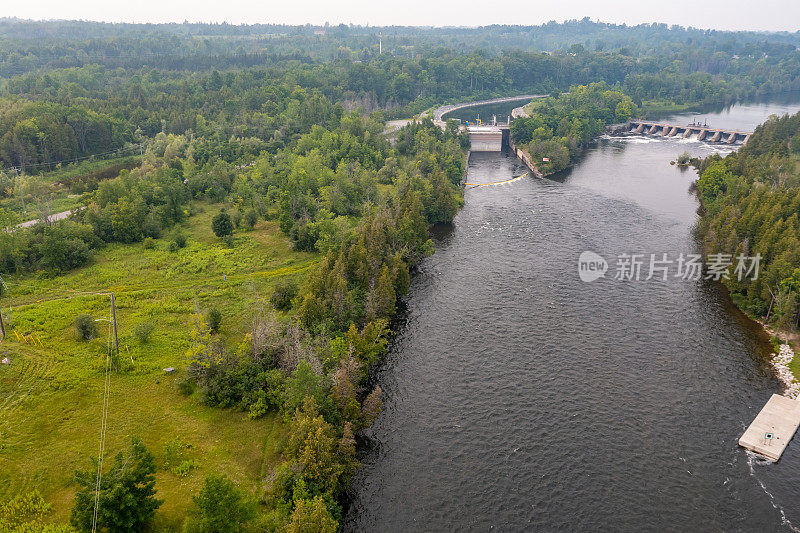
497, 182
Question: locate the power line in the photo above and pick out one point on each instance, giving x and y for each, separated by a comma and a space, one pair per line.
103, 428
76, 159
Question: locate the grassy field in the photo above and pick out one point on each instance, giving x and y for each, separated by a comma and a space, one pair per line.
50, 394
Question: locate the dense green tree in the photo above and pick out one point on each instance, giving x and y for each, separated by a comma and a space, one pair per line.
220, 507
312, 516
61, 252
381, 298
222, 225
304, 382
558, 127
751, 200
127, 499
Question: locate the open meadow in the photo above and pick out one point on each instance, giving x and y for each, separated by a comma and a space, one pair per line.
53, 388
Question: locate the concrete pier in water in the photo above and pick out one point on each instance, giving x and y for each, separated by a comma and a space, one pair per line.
773, 428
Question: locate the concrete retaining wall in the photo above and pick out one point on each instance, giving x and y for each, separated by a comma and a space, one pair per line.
525, 158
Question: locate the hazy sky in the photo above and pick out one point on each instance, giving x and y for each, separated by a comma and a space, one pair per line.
727, 14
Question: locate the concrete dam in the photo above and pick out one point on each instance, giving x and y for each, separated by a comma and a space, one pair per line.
488, 138
703, 132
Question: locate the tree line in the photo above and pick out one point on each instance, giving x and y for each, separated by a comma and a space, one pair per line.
293, 130
560, 126
751, 200
314, 371
127, 82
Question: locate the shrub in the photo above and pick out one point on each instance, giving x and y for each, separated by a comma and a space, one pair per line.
173, 453
86, 327
143, 330
312, 515
28, 512
283, 295
214, 319
250, 218
229, 241
222, 224
149, 243
237, 218
151, 227
684, 158
186, 467
173, 246
60, 252
179, 239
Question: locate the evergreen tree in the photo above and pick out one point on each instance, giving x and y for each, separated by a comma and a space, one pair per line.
382, 297
312, 516
222, 225
220, 508
127, 501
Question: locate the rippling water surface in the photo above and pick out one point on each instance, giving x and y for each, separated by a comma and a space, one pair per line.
518, 397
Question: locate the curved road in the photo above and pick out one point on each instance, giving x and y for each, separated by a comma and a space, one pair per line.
393, 125
440, 111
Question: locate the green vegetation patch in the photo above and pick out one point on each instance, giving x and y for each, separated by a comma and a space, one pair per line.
52, 390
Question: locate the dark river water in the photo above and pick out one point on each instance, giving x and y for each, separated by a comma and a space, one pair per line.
519, 398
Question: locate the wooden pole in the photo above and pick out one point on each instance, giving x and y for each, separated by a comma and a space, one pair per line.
2, 325
114, 318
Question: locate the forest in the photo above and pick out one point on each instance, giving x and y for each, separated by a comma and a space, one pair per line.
235, 187
216, 80
752, 200
558, 128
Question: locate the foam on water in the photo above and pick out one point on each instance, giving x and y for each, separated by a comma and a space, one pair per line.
754, 460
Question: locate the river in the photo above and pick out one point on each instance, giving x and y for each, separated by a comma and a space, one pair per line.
518, 397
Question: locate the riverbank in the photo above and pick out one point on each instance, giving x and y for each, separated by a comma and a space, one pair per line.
525, 157
713, 180
784, 360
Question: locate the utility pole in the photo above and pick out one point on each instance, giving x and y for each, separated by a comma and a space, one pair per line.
114, 319
3, 290
19, 190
